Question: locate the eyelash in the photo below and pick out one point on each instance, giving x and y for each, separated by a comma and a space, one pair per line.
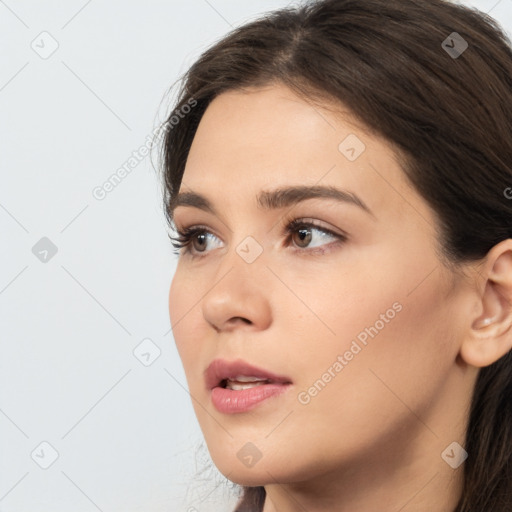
185, 236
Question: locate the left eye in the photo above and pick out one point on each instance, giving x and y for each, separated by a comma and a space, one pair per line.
186, 237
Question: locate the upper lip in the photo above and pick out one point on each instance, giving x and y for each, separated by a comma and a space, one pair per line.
220, 369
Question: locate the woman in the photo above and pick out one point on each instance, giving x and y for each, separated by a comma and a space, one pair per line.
340, 181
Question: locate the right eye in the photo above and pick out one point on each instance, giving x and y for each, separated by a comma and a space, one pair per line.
184, 242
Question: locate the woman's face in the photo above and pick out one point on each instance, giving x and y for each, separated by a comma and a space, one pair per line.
365, 323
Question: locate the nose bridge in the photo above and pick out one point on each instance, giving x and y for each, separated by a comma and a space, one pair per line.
247, 242
245, 260
250, 249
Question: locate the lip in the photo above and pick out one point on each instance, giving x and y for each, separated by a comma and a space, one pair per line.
220, 369
229, 401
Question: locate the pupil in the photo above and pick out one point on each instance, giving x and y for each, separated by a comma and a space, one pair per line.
202, 236
307, 235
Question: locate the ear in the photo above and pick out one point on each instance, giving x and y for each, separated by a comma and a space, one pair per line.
490, 335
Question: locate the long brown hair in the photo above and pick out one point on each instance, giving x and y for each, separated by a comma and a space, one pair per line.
443, 100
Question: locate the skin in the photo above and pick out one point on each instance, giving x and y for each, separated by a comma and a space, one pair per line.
372, 438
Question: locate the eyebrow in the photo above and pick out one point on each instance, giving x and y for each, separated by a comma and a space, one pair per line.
275, 199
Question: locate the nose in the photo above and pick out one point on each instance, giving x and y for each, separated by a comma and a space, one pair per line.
239, 296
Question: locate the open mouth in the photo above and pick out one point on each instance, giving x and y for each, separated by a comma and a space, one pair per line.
239, 375
240, 383
237, 386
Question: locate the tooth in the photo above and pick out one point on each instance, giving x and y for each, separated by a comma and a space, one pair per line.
243, 378
239, 387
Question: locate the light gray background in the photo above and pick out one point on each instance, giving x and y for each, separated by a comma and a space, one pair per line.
126, 435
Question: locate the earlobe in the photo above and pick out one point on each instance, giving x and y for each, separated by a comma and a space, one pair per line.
490, 335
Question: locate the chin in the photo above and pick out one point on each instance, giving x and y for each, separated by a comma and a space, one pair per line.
261, 473
235, 470
245, 478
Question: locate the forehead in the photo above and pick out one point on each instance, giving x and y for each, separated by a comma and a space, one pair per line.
250, 140
272, 123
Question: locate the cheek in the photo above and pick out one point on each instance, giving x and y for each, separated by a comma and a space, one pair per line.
175, 298
396, 340
399, 359
181, 312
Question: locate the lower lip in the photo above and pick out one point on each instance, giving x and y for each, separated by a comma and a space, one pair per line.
229, 401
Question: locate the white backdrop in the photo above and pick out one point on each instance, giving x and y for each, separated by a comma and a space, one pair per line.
94, 409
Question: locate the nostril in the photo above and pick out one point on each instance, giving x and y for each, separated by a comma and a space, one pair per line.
235, 318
